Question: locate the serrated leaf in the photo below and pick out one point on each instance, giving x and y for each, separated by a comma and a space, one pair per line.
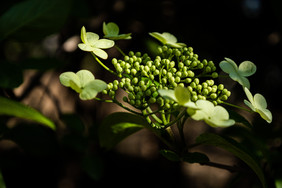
234, 147
118, 126
13, 108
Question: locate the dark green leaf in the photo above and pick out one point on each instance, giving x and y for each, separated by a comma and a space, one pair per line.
34, 18
118, 126
2, 182
13, 108
170, 155
235, 148
195, 157
239, 118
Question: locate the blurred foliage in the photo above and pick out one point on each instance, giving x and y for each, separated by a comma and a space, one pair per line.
41, 157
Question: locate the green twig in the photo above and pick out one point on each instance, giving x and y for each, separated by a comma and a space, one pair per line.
236, 106
118, 48
102, 64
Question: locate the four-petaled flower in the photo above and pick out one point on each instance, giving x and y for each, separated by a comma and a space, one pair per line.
111, 31
215, 116
258, 104
180, 95
84, 83
168, 39
246, 68
92, 43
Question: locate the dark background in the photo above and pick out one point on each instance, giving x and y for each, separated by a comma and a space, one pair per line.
34, 156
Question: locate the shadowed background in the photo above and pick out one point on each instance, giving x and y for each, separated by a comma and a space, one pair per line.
38, 41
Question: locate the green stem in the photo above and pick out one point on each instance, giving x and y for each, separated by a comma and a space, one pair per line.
102, 64
176, 119
154, 115
103, 100
118, 48
236, 106
126, 108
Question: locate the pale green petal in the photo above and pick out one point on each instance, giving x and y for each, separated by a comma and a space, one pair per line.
119, 37
98, 85
250, 105
182, 95
205, 106
75, 86
104, 43
86, 47
83, 35
85, 77
159, 37
191, 105
110, 29
249, 95
67, 76
259, 101
100, 53
220, 113
170, 94
170, 38
265, 114
244, 82
91, 38
228, 66
176, 45
197, 115
92, 89
247, 68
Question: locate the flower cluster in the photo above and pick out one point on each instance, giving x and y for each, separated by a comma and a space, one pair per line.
172, 80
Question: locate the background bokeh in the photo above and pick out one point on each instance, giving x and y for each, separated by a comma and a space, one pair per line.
34, 53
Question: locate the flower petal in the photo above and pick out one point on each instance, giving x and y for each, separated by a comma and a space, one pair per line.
259, 101
91, 89
83, 35
249, 95
110, 28
170, 38
182, 95
247, 68
100, 53
249, 105
170, 94
86, 47
67, 76
265, 114
104, 43
228, 66
85, 76
91, 38
159, 37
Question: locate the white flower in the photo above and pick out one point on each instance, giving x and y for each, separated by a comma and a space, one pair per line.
215, 116
92, 43
258, 104
246, 68
180, 95
168, 39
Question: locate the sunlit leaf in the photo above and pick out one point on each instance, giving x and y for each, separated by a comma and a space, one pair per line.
13, 108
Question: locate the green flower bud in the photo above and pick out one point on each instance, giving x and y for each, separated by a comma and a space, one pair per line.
196, 80
214, 88
214, 75
131, 96
208, 69
112, 94
131, 53
135, 80
138, 54
114, 61
205, 85
126, 58
133, 72
156, 72
188, 80
181, 85
148, 92
213, 96
220, 87
177, 79
205, 62
187, 62
205, 92
132, 102
164, 80
160, 101
191, 73
152, 100
110, 86
130, 88
138, 103
164, 48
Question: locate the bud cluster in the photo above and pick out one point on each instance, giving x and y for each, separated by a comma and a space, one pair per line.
141, 77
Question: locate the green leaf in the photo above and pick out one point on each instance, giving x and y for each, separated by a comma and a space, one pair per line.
118, 126
13, 108
239, 119
235, 148
2, 182
34, 18
170, 155
195, 157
